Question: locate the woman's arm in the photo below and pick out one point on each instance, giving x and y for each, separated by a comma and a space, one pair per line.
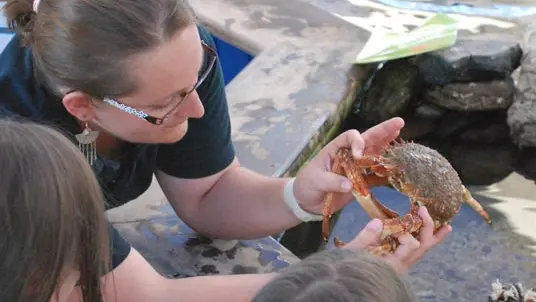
222, 205
135, 280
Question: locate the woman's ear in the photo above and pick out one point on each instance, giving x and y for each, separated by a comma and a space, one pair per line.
79, 105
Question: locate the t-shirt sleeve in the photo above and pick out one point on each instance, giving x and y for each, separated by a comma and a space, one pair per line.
119, 247
207, 147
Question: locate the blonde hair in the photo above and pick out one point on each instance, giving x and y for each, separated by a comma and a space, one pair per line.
338, 276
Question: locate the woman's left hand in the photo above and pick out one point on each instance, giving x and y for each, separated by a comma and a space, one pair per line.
316, 179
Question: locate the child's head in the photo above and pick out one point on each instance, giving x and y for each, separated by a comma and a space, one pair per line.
337, 275
53, 229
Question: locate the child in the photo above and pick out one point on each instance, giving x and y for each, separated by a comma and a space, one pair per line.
47, 246
338, 275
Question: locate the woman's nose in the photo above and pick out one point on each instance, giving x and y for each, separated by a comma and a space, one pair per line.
193, 107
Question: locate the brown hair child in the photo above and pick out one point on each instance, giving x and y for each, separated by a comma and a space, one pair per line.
51, 215
338, 275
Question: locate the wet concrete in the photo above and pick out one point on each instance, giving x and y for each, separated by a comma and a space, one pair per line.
151, 226
177, 251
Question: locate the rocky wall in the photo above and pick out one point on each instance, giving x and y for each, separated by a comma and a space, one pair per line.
462, 101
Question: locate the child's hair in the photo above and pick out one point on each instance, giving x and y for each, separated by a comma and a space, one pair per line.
338, 275
51, 215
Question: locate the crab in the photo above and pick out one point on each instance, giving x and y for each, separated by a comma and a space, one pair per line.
417, 171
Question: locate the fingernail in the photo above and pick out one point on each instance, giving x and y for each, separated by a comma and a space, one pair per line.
375, 225
358, 153
346, 185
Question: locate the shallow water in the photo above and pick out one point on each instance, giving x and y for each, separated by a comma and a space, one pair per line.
506, 9
475, 254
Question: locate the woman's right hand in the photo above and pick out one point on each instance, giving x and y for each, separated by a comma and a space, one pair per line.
410, 250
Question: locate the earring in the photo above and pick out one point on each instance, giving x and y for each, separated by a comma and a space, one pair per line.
87, 143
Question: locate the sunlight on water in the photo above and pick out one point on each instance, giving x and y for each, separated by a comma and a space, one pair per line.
376, 17
476, 8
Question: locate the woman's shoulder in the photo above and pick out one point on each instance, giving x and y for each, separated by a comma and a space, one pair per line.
16, 61
206, 36
20, 93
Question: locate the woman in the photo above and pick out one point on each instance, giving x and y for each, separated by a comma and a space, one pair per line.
47, 246
143, 79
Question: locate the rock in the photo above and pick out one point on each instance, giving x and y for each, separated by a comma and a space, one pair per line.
486, 133
480, 165
415, 127
522, 113
470, 61
429, 111
391, 91
463, 102
453, 123
474, 96
525, 163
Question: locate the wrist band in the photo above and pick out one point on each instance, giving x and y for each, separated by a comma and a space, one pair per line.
292, 203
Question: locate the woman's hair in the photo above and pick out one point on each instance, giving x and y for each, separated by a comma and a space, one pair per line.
338, 276
89, 45
51, 215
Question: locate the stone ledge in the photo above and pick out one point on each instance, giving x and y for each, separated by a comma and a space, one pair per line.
299, 85
286, 114
255, 25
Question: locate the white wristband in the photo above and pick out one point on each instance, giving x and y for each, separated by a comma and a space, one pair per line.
292, 203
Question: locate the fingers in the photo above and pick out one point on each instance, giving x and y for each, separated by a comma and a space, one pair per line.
427, 231
331, 182
411, 250
348, 139
374, 138
442, 233
427, 236
408, 246
369, 236
383, 132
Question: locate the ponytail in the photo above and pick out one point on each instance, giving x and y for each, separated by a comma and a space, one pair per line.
21, 18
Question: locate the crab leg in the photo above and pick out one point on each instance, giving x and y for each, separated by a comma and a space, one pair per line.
370, 204
345, 164
328, 202
468, 198
408, 223
387, 247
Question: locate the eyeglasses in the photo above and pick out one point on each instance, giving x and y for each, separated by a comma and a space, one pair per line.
159, 120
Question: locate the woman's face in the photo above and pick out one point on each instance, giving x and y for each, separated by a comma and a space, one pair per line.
165, 75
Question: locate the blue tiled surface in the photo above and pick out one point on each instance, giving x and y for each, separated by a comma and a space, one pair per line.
232, 59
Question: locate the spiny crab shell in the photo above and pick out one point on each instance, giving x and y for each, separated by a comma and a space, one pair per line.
417, 171
437, 184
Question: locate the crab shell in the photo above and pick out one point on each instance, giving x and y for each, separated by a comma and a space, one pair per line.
426, 177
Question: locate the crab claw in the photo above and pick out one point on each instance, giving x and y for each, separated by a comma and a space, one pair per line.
468, 198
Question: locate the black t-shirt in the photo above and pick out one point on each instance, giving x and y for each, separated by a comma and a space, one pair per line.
205, 149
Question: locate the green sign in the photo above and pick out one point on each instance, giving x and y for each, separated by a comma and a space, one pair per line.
439, 31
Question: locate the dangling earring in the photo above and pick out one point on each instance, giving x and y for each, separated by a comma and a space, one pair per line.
87, 143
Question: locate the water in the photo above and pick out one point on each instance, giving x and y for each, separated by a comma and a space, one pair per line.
509, 9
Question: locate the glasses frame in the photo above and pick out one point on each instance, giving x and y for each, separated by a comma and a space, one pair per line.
160, 120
